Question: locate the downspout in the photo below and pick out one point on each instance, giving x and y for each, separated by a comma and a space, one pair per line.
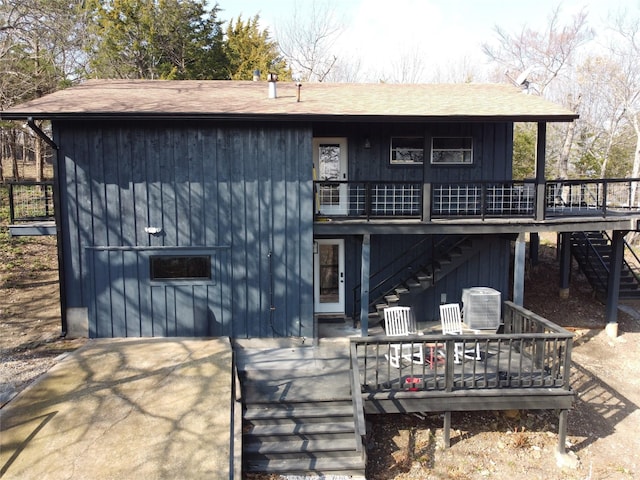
32, 124
57, 216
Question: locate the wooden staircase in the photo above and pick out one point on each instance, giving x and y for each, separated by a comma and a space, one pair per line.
302, 437
592, 251
446, 261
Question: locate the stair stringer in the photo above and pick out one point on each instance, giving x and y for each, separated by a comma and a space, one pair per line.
448, 262
595, 267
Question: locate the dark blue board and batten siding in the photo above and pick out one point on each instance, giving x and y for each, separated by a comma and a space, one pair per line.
239, 194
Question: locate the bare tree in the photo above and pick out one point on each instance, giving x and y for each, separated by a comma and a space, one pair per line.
409, 67
41, 50
603, 113
307, 41
544, 56
539, 61
625, 51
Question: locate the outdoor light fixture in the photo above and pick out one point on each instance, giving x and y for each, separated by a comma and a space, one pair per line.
367, 142
153, 230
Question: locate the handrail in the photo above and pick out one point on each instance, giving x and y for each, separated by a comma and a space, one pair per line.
624, 260
589, 247
356, 300
436, 249
610, 193
360, 425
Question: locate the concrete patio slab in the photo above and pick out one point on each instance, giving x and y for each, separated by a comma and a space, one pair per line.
126, 408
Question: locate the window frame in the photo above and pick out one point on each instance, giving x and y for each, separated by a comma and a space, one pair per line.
409, 163
154, 278
461, 151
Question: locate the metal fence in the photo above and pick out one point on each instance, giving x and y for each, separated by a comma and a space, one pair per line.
30, 201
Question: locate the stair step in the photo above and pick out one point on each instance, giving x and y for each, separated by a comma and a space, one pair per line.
401, 290
424, 277
348, 464
301, 438
275, 412
392, 299
300, 431
299, 446
592, 267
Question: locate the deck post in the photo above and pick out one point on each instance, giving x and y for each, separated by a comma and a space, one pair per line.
364, 285
534, 247
426, 202
562, 431
540, 176
565, 264
613, 287
518, 271
446, 427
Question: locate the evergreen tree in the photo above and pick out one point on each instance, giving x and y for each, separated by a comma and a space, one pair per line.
161, 39
249, 49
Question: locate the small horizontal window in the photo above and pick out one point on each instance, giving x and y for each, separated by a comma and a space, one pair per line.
407, 150
452, 150
165, 267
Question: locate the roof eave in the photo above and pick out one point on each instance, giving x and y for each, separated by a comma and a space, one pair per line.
284, 117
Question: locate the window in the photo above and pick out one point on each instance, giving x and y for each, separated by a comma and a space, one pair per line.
452, 150
165, 267
407, 150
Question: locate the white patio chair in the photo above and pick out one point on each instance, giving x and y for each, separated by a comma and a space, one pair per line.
399, 321
451, 321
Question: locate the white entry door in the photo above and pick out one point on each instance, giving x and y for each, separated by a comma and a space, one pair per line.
329, 276
330, 164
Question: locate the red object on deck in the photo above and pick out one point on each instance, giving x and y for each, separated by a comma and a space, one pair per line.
413, 383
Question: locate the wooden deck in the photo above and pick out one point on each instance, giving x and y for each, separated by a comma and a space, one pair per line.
526, 366
295, 397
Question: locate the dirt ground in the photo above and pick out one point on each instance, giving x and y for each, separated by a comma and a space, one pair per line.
603, 439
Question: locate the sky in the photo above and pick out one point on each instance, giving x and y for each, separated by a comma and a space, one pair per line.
445, 34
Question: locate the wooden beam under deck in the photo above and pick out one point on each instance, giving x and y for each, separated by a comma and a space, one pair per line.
472, 226
468, 400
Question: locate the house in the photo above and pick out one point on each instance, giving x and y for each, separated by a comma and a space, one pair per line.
252, 209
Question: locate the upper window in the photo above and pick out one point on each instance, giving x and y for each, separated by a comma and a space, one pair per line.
452, 150
407, 150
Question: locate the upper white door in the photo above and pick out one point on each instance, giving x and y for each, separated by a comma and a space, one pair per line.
330, 164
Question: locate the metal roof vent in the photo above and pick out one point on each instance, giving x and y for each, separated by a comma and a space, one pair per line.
272, 78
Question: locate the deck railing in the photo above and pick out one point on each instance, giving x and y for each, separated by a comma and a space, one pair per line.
482, 199
579, 197
530, 352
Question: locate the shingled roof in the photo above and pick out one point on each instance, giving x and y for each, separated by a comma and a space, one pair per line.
318, 101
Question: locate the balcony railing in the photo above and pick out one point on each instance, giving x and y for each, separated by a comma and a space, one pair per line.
581, 197
376, 200
531, 353
483, 199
